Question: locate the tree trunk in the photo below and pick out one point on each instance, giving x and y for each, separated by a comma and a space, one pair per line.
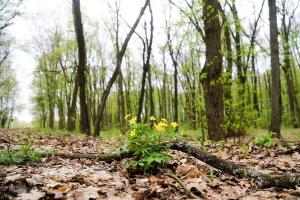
276, 90
71, 114
121, 104
84, 116
287, 69
51, 113
213, 88
116, 72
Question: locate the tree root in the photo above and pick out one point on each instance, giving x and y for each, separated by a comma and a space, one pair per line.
186, 190
262, 180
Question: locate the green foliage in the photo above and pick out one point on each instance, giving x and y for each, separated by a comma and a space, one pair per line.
148, 142
266, 140
21, 156
245, 149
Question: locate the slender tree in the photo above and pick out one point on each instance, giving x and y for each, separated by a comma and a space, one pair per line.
116, 72
84, 116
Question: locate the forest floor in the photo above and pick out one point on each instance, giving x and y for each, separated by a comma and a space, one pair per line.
61, 178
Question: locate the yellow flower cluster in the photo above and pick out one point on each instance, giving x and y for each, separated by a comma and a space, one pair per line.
132, 120
174, 124
132, 133
163, 124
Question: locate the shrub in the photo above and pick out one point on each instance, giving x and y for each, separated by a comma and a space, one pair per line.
21, 156
266, 140
149, 141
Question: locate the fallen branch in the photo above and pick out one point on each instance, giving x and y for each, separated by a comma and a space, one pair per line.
292, 150
186, 190
105, 158
262, 180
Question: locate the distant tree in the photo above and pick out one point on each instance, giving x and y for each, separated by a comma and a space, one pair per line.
147, 52
119, 56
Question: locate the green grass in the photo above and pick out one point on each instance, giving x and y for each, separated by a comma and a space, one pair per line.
289, 134
25, 154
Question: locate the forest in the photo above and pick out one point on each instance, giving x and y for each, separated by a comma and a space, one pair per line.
150, 99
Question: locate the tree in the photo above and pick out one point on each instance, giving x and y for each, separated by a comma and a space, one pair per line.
287, 65
84, 116
212, 71
147, 49
116, 72
275, 69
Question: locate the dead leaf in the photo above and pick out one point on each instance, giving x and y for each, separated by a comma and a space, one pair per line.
32, 195
83, 194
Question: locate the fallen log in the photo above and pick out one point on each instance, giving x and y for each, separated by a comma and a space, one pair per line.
105, 158
262, 180
292, 150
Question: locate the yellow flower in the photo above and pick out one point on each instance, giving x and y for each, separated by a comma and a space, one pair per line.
127, 116
164, 120
174, 124
163, 124
159, 127
132, 133
152, 118
132, 120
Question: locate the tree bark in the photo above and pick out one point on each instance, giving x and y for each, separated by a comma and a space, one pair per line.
276, 88
121, 103
71, 113
212, 71
84, 116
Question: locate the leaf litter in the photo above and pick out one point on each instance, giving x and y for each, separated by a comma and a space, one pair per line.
76, 179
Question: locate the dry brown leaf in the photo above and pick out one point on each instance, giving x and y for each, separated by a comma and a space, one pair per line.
32, 195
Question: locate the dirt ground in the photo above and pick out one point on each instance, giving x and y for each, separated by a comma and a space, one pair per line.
59, 178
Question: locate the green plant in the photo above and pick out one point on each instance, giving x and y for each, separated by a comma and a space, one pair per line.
266, 140
21, 156
245, 149
149, 141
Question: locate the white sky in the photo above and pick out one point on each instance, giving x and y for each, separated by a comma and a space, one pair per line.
44, 12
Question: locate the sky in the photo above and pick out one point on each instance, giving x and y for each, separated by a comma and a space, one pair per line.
37, 13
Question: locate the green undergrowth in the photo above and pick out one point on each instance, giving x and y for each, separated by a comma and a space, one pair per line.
25, 154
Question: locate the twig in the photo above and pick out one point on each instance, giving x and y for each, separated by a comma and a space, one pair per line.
186, 190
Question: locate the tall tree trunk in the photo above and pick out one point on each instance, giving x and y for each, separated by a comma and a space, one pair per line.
61, 114
174, 57
287, 69
151, 97
116, 72
255, 86
51, 112
276, 88
84, 116
164, 90
71, 114
147, 50
213, 88
121, 104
